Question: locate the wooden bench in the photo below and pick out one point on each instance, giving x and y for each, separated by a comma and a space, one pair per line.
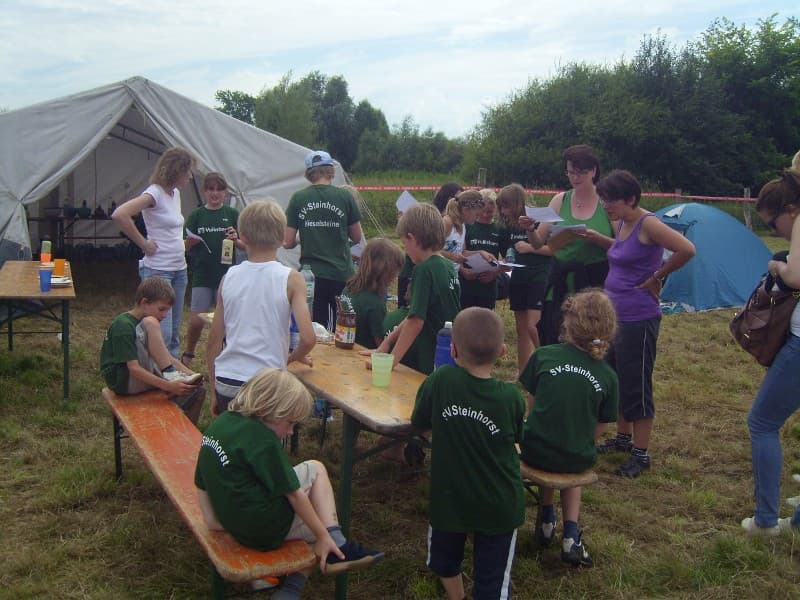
169, 443
532, 476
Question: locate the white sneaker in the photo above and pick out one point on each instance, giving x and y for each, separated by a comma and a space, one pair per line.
750, 527
796, 477
190, 378
794, 501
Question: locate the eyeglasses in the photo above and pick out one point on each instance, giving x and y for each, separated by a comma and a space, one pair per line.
577, 172
610, 200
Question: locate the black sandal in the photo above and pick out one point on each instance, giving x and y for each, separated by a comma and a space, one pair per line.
188, 355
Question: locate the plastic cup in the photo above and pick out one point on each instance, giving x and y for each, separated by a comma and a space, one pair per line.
382, 369
45, 279
60, 267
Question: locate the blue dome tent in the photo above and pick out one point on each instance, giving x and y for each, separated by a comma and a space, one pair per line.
730, 259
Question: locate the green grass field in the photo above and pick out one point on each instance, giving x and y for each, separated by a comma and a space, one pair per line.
70, 531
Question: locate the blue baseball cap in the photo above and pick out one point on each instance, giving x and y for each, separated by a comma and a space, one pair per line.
318, 158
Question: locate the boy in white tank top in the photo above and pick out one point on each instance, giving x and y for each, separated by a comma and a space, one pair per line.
254, 308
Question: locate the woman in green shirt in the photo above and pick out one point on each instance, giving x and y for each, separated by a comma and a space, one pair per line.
578, 262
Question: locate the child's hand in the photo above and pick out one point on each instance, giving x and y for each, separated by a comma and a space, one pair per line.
323, 547
526, 222
179, 388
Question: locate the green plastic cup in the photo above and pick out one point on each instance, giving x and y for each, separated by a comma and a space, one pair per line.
382, 368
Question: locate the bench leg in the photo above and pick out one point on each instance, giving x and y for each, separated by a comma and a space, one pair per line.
117, 448
218, 584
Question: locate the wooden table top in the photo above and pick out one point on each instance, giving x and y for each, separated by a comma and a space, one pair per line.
19, 279
341, 377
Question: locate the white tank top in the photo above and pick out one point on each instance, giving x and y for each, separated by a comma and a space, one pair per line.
257, 318
454, 242
164, 223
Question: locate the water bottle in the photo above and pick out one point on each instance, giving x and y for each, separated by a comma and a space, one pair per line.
443, 339
511, 255
294, 335
308, 275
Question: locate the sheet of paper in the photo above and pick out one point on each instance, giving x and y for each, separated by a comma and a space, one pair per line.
405, 201
193, 236
542, 214
556, 229
357, 249
502, 263
478, 264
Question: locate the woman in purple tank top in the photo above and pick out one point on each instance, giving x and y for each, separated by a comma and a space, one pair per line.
635, 277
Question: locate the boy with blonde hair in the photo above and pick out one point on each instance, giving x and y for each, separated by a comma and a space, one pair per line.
247, 487
254, 308
476, 486
435, 290
134, 357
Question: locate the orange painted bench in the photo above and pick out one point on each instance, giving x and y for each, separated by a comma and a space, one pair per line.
169, 443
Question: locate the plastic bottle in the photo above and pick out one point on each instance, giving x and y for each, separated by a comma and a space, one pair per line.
294, 335
443, 339
511, 255
308, 275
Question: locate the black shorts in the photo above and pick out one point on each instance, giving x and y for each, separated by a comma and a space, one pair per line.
526, 296
633, 355
492, 557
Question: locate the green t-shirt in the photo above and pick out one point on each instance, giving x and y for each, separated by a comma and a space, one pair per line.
246, 473
475, 480
435, 298
204, 259
580, 250
370, 312
536, 266
322, 215
119, 346
573, 393
481, 236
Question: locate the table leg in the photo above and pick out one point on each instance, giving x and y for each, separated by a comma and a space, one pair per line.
65, 345
350, 432
10, 306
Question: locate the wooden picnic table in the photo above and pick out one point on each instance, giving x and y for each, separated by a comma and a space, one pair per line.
341, 377
20, 293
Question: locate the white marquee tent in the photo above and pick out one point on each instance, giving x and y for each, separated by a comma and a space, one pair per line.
101, 146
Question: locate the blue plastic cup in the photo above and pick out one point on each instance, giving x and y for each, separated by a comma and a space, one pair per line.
45, 279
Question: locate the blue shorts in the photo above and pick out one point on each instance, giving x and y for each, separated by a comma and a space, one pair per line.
203, 299
492, 558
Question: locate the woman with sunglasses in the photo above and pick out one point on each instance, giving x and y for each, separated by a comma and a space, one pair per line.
578, 262
209, 260
778, 398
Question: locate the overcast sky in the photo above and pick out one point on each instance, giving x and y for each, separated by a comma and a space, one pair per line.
443, 62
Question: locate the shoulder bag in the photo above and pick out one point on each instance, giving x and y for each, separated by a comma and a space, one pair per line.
761, 327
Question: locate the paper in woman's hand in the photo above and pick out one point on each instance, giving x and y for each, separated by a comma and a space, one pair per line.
543, 214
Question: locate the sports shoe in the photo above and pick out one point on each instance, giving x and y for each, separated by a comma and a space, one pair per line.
355, 557
613, 445
265, 583
190, 378
794, 501
575, 553
751, 528
633, 468
546, 533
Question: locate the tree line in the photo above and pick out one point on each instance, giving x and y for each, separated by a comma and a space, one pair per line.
714, 116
